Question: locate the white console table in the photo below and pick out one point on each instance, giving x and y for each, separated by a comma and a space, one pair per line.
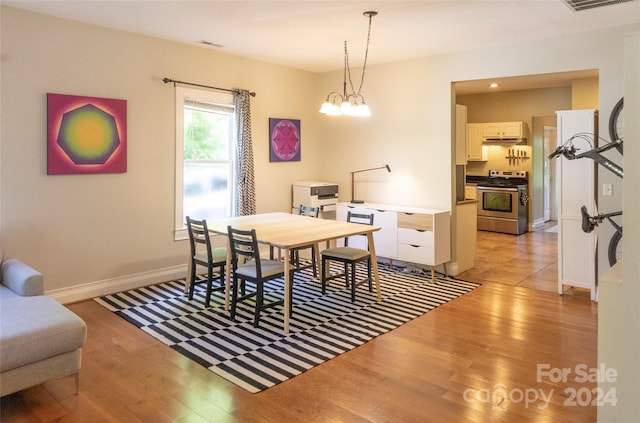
411, 234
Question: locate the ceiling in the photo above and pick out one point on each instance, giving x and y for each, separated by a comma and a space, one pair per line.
524, 82
309, 35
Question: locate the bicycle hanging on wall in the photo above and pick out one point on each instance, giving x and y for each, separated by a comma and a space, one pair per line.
569, 151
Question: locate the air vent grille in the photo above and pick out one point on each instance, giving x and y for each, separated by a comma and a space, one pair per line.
577, 5
209, 43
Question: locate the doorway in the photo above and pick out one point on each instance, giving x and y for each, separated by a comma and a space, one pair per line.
543, 170
548, 183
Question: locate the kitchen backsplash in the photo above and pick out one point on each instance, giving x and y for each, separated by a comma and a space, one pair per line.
502, 157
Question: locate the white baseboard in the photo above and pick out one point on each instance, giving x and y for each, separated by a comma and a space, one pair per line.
537, 224
109, 286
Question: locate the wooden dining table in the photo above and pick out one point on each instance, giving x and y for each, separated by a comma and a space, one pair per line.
285, 231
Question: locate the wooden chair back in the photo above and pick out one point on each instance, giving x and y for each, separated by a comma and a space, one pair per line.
244, 245
308, 211
199, 236
360, 218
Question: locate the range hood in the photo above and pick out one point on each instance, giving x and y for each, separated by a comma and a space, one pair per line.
503, 141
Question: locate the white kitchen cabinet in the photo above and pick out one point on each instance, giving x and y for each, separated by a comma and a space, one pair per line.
475, 150
411, 234
503, 130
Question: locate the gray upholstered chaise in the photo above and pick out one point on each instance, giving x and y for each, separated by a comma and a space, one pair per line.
40, 339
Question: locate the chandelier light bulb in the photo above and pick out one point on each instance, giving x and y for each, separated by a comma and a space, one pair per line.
350, 104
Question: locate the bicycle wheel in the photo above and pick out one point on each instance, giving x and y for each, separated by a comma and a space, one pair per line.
615, 247
616, 123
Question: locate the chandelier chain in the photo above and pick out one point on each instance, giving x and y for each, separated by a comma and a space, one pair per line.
364, 65
350, 102
366, 54
347, 70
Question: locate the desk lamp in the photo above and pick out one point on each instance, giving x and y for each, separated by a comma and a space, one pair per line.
364, 170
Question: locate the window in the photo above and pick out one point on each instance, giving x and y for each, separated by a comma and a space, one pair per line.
204, 156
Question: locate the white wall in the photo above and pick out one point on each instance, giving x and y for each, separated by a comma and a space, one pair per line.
619, 306
412, 106
408, 130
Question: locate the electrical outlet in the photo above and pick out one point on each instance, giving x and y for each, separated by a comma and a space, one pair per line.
607, 190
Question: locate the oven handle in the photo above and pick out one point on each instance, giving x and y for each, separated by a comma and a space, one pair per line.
497, 189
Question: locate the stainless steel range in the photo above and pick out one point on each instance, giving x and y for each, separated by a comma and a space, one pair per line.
503, 201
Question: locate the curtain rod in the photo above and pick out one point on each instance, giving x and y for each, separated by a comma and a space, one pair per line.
167, 80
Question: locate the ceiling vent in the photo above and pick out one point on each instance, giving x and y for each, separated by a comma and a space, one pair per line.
209, 43
577, 5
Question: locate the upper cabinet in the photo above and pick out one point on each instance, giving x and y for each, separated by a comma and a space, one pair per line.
461, 134
475, 150
502, 130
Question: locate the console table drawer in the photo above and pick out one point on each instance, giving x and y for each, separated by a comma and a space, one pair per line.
410, 234
416, 253
422, 222
415, 237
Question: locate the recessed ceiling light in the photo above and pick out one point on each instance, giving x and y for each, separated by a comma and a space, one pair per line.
493, 85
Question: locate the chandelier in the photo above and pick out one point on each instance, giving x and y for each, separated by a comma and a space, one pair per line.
349, 103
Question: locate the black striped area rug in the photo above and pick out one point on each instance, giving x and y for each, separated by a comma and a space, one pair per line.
321, 327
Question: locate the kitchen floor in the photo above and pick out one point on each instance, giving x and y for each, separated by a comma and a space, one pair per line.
529, 260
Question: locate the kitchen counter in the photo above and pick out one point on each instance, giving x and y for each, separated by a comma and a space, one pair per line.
474, 179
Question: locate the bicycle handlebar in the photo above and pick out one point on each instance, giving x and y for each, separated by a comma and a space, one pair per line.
569, 151
563, 150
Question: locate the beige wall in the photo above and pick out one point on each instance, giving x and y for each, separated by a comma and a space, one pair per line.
584, 94
126, 218
94, 234
519, 105
99, 229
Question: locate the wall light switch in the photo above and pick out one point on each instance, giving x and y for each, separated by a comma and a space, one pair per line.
607, 190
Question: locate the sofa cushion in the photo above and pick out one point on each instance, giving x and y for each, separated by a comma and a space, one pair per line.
35, 328
6, 293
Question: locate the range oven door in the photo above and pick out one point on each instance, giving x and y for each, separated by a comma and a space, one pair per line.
497, 202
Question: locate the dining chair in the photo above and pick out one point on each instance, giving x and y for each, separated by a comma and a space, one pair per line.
295, 252
208, 257
244, 245
350, 257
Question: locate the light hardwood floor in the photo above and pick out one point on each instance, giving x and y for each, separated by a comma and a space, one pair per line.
529, 260
471, 360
